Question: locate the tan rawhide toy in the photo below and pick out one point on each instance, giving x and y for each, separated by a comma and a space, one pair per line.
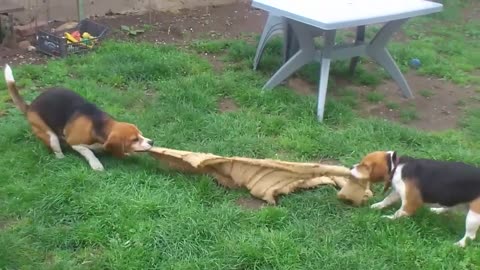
355, 192
264, 178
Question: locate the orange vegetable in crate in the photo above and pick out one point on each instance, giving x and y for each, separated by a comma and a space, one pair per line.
76, 35
70, 38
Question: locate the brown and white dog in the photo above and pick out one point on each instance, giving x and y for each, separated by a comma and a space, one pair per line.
61, 115
422, 181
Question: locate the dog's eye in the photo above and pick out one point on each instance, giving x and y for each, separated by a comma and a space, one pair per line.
135, 140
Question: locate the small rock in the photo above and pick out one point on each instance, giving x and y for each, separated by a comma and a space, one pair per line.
29, 29
24, 44
446, 112
31, 48
65, 26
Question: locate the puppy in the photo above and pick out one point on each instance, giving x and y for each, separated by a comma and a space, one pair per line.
422, 181
60, 114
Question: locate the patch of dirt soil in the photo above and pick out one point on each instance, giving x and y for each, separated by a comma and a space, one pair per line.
20, 57
227, 105
437, 104
301, 87
251, 203
7, 223
225, 21
218, 65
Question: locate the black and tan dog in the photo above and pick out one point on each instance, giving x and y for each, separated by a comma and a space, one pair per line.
61, 115
422, 181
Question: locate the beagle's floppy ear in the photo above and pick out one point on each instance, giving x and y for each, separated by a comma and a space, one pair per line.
394, 157
115, 144
392, 160
379, 170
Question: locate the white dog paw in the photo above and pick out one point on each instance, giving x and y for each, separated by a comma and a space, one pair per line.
460, 243
378, 205
59, 155
97, 166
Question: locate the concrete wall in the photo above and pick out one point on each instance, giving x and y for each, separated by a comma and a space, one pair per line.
47, 10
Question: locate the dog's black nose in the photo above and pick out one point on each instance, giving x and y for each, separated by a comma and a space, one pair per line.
150, 142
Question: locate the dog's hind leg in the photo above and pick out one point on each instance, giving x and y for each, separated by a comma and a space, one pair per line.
472, 223
471, 226
45, 134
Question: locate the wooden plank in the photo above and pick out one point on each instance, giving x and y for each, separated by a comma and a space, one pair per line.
9, 6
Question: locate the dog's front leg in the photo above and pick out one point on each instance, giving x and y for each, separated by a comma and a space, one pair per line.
392, 198
89, 156
398, 214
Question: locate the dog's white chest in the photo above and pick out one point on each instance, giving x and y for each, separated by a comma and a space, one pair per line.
397, 181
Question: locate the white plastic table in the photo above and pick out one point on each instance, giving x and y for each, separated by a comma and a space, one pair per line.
307, 17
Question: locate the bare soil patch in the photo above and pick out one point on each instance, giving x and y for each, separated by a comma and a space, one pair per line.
225, 21
250, 203
437, 104
301, 86
227, 105
217, 64
7, 223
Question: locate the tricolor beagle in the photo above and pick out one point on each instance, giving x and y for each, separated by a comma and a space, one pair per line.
419, 181
60, 114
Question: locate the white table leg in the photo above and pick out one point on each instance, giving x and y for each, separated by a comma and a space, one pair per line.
324, 72
307, 53
274, 25
378, 51
384, 58
303, 56
298, 60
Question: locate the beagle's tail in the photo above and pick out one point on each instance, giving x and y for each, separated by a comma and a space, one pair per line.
12, 89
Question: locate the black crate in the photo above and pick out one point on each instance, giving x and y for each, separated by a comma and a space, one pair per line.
55, 44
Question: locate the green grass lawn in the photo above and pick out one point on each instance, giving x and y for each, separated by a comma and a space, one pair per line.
59, 214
